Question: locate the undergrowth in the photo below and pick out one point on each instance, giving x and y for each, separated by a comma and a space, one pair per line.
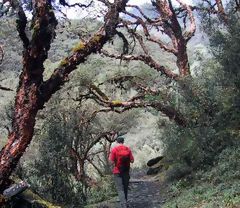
104, 191
216, 187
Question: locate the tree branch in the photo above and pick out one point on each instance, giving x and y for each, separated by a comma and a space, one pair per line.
82, 51
96, 168
188, 35
137, 101
5, 88
147, 60
64, 3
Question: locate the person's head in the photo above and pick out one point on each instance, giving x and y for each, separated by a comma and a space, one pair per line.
120, 140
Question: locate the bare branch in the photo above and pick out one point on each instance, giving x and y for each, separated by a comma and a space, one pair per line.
192, 29
161, 44
96, 168
221, 10
5, 88
64, 3
137, 101
21, 25
147, 60
141, 12
167, 22
82, 50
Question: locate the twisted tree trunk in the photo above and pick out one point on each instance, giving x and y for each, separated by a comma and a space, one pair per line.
32, 92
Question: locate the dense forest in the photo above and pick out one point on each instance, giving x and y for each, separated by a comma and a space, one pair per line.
164, 74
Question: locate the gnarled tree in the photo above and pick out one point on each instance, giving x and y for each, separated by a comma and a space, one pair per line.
150, 29
169, 27
33, 92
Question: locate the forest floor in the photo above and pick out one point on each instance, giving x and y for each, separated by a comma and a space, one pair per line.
144, 192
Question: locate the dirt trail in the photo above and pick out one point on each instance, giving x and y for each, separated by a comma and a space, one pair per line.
145, 192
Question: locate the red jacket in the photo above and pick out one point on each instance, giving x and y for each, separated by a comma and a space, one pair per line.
113, 157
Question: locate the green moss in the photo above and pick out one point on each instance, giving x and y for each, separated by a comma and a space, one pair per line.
64, 62
35, 199
116, 102
97, 37
78, 47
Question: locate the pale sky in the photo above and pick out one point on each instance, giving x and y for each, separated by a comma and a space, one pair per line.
139, 2
74, 13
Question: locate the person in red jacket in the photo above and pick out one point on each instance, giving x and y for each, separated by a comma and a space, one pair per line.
121, 157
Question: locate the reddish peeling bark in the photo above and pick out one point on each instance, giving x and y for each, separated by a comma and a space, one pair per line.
182, 58
174, 31
27, 97
221, 10
79, 163
32, 92
168, 22
25, 112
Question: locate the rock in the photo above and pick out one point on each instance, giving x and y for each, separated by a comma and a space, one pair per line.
20, 196
15, 189
154, 161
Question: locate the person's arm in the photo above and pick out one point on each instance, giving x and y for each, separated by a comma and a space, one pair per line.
131, 157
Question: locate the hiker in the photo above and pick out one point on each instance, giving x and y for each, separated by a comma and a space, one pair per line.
121, 157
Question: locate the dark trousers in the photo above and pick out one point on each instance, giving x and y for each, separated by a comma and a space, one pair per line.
122, 182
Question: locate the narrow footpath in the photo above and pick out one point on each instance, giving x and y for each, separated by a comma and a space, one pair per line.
144, 192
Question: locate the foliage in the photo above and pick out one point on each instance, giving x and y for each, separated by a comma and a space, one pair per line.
105, 190
215, 187
213, 110
49, 174
53, 173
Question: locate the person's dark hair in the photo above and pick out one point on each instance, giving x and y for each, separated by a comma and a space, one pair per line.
120, 139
